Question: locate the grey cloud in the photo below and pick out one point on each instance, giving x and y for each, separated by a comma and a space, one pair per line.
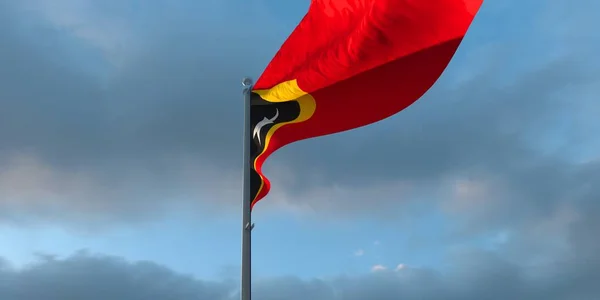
472, 275
91, 277
166, 123
500, 136
177, 95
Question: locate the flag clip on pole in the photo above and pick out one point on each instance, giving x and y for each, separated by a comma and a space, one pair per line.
247, 225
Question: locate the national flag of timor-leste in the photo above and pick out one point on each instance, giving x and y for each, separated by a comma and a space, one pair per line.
350, 63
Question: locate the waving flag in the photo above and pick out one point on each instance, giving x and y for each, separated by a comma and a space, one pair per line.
350, 63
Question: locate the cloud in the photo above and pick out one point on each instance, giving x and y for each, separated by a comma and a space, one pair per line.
359, 252
120, 140
33, 193
470, 275
140, 116
115, 113
378, 268
84, 276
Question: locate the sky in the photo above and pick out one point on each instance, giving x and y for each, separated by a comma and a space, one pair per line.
120, 156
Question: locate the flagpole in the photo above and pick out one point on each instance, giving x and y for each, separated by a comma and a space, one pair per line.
247, 225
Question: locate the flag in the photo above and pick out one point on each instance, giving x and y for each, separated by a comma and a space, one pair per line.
350, 63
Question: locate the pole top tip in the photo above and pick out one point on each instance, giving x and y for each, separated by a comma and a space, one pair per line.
247, 81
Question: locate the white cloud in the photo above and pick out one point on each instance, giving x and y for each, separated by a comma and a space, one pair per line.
378, 268
400, 267
359, 252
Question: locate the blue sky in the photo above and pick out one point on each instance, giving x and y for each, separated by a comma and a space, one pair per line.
120, 132
283, 245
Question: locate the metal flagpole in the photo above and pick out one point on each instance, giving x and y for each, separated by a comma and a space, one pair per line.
247, 225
